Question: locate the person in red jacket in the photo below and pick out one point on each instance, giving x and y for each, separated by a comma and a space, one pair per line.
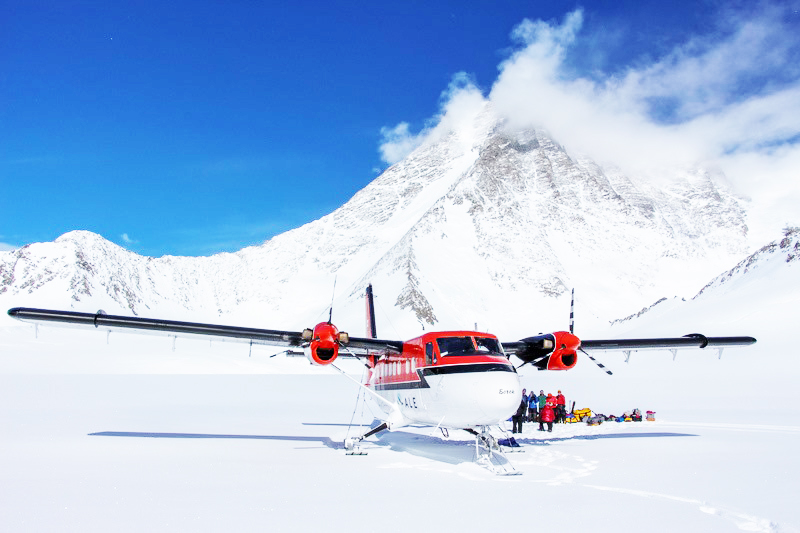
561, 407
551, 400
546, 415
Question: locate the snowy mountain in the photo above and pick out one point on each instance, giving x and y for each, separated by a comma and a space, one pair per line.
771, 256
481, 225
767, 276
478, 225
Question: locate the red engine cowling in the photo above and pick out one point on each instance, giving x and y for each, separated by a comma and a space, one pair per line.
551, 351
323, 343
565, 352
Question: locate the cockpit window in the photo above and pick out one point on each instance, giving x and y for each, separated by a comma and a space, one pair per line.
455, 345
468, 346
488, 345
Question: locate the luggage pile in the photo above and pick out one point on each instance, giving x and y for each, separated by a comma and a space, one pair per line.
579, 415
594, 419
630, 416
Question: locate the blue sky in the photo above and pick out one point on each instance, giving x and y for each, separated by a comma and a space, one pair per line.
190, 128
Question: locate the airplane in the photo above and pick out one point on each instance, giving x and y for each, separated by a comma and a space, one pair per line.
453, 380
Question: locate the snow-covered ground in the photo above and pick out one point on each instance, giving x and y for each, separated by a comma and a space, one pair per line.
128, 433
94, 452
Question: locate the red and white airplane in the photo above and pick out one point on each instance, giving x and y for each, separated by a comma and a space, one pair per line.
448, 379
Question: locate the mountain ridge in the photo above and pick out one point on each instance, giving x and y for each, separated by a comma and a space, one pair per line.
474, 219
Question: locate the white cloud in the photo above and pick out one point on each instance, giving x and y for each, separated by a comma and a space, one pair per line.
730, 99
398, 142
732, 102
5, 247
459, 104
126, 239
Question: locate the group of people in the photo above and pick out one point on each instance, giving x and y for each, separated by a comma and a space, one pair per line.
541, 408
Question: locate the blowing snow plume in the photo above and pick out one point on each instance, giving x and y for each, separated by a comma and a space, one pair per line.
726, 100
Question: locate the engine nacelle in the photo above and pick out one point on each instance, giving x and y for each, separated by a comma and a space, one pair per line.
321, 345
565, 355
551, 351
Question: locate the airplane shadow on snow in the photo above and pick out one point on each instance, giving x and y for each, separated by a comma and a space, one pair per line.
545, 442
325, 441
429, 446
460, 451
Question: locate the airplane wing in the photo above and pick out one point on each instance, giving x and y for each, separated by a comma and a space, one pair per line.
546, 343
355, 346
693, 340
558, 350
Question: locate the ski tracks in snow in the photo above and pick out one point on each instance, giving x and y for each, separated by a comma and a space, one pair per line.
554, 467
745, 522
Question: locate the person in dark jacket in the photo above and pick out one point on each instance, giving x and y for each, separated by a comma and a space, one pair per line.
519, 416
533, 407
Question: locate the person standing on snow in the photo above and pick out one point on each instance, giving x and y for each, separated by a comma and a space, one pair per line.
533, 407
519, 416
561, 408
546, 416
551, 401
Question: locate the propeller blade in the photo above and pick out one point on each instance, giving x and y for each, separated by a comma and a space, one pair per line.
572, 313
598, 363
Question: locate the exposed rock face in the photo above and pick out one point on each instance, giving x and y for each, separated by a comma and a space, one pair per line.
476, 219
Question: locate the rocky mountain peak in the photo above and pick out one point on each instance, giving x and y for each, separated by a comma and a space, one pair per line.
473, 219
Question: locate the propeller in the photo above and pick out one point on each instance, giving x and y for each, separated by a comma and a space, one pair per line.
572, 330
572, 313
333, 296
533, 361
598, 363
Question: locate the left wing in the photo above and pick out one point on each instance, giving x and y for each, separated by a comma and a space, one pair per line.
298, 339
558, 350
693, 340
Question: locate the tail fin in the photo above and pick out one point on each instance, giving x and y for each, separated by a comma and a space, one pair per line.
371, 333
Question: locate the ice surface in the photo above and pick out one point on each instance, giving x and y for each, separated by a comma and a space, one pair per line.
126, 433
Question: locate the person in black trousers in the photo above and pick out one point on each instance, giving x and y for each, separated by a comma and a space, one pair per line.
519, 416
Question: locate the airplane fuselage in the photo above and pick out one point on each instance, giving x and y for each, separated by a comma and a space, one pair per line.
456, 379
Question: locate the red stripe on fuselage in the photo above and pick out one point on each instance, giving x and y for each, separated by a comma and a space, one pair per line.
396, 369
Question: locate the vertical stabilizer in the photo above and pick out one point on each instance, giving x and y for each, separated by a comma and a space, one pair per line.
371, 333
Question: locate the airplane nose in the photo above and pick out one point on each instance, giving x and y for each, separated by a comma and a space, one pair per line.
499, 396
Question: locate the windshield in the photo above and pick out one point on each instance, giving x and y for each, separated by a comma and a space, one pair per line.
488, 345
464, 346
455, 345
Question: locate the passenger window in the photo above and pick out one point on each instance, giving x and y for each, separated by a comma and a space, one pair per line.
429, 353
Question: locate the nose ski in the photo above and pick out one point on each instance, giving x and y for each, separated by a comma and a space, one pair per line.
490, 454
